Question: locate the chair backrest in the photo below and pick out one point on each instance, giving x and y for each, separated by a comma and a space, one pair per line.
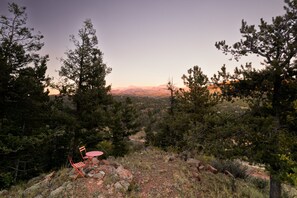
82, 151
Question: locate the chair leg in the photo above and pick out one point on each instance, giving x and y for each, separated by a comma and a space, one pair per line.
79, 173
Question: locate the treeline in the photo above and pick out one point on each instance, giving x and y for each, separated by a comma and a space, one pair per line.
37, 132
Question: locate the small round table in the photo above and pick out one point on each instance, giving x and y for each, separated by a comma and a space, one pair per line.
92, 154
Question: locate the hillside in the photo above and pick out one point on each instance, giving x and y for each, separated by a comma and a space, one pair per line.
149, 172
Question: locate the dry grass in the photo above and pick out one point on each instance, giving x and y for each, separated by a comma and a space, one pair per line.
155, 174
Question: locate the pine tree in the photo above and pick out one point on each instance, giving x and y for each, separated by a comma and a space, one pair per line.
124, 123
271, 91
23, 99
84, 73
183, 127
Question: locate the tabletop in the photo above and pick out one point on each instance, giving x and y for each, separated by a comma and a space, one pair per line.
94, 153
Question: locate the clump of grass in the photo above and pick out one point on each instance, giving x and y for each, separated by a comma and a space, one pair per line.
106, 147
134, 187
259, 183
111, 179
252, 192
235, 168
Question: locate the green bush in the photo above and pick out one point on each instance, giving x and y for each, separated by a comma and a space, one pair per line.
106, 147
259, 183
235, 168
6, 180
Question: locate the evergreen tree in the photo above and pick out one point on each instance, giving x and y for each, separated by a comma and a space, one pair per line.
271, 91
23, 99
84, 73
123, 124
184, 127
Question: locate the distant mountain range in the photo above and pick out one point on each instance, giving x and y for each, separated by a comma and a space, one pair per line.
150, 91
145, 91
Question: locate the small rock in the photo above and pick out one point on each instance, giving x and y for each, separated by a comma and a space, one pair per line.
125, 184
122, 185
118, 186
57, 192
99, 175
201, 167
90, 175
124, 173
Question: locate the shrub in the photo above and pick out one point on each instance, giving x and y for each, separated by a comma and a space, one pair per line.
6, 180
235, 168
106, 147
259, 183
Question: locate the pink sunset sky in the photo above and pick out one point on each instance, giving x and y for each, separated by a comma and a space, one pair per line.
148, 42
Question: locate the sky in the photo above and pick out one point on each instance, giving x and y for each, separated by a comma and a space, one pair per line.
148, 42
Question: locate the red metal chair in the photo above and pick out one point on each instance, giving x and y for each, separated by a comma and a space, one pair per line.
77, 166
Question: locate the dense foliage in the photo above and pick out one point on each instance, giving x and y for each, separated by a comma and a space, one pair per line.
184, 126
24, 103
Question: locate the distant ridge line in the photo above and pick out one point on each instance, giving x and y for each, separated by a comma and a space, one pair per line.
150, 91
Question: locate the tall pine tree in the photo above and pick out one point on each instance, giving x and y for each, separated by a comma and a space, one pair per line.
84, 73
23, 99
271, 91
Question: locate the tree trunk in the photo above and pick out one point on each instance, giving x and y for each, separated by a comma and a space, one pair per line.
275, 187
16, 170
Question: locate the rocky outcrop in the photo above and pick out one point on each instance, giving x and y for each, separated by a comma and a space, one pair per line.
105, 178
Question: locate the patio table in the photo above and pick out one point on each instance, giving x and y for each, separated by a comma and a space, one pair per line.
92, 154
